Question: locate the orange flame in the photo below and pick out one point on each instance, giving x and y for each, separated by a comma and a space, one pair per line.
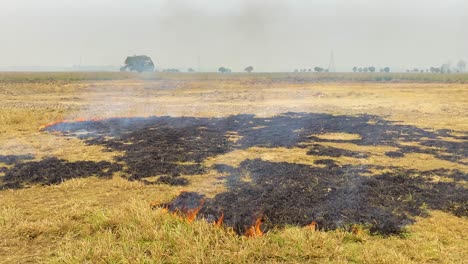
78, 119
192, 214
165, 208
313, 226
255, 231
154, 204
220, 220
176, 214
357, 230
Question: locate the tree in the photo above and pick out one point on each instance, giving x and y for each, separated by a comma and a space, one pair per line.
222, 70
366, 69
355, 69
359, 69
171, 70
141, 63
386, 69
461, 65
190, 70
372, 69
318, 69
249, 69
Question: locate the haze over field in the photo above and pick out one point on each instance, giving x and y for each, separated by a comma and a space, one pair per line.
270, 35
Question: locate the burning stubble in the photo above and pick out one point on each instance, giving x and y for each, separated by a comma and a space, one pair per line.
307, 157
333, 191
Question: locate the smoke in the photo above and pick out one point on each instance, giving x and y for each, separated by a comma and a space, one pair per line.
269, 35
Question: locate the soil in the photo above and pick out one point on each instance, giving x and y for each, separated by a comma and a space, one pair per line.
282, 193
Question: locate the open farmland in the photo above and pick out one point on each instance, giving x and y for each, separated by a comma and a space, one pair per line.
112, 167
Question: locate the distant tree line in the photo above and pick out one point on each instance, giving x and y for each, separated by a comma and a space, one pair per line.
316, 69
303, 70
247, 69
444, 68
224, 70
370, 69
171, 70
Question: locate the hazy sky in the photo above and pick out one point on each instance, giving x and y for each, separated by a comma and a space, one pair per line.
270, 35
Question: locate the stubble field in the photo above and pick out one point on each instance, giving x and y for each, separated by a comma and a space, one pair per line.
114, 167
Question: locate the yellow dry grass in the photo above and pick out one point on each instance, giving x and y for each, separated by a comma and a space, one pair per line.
100, 222
109, 221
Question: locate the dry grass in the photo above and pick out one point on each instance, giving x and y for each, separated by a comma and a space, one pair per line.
101, 221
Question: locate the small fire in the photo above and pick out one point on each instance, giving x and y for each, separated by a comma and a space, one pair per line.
192, 213
157, 205
255, 231
220, 220
76, 120
176, 214
313, 226
357, 230
154, 204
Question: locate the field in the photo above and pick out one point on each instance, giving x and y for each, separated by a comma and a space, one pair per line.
210, 168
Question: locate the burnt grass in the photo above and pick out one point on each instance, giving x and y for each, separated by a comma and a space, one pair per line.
54, 171
282, 193
12, 159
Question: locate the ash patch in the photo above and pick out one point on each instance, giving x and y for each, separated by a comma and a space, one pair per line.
185, 201
394, 154
319, 150
284, 193
334, 197
54, 171
456, 150
169, 180
12, 159
167, 150
327, 162
171, 146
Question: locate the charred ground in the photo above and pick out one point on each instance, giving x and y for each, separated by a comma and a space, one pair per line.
283, 193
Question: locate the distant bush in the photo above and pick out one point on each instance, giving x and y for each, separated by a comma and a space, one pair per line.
49, 77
